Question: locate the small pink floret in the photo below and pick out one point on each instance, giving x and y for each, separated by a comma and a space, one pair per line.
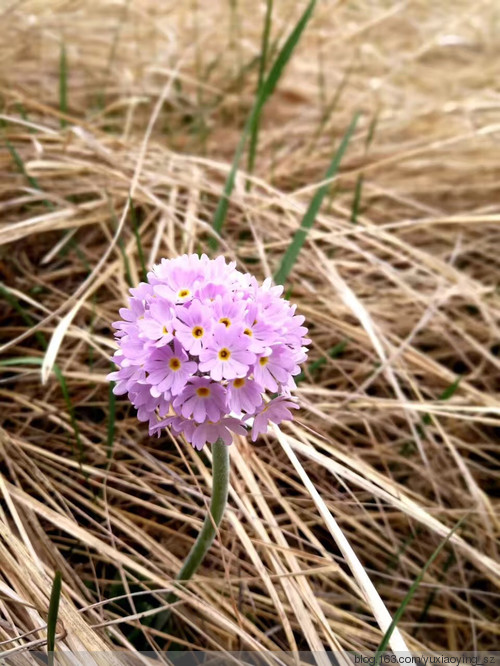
276, 410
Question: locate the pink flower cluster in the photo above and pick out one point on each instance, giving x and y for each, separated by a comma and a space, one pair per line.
200, 344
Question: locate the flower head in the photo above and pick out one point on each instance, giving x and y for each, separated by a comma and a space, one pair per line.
200, 344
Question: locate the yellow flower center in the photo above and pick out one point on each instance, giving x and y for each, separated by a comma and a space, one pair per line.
183, 293
225, 321
164, 330
197, 332
224, 354
174, 364
203, 392
264, 360
248, 332
238, 383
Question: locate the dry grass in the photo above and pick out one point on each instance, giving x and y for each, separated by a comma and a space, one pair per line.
412, 288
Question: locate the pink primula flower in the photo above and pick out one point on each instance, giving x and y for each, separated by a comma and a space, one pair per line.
276, 410
227, 312
275, 368
245, 395
194, 325
169, 369
202, 399
199, 345
158, 324
179, 286
226, 355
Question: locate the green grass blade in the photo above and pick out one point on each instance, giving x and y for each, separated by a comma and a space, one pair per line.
299, 238
394, 561
356, 204
265, 92
55, 597
432, 595
128, 275
71, 412
371, 131
265, 43
254, 129
445, 395
22, 112
121, 246
357, 199
451, 389
140, 250
409, 595
34, 360
20, 360
22, 169
16, 305
71, 243
48, 204
20, 165
330, 108
282, 59
101, 96
63, 84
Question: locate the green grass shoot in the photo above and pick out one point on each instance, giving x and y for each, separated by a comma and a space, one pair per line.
356, 204
32, 181
263, 95
330, 108
448, 393
121, 247
254, 129
300, 236
53, 614
432, 594
411, 592
33, 360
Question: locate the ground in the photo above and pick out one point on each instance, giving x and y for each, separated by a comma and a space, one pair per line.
119, 124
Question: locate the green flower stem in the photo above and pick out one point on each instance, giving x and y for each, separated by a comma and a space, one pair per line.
220, 487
